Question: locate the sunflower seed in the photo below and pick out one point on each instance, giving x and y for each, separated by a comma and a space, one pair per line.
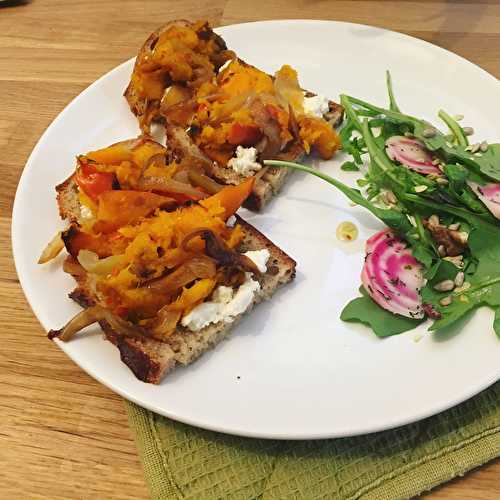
474, 148
442, 180
420, 189
456, 260
442, 250
429, 132
454, 227
459, 278
483, 146
468, 130
434, 220
446, 301
444, 286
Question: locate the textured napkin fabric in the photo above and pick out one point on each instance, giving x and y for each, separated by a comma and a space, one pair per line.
184, 462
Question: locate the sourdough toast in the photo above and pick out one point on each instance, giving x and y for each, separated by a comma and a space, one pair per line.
269, 180
151, 359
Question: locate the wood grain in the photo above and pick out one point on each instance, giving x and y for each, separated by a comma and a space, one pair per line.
62, 435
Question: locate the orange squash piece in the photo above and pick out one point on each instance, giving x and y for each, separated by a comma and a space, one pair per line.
230, 198
119, 208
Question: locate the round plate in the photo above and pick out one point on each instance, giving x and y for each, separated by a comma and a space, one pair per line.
291, 369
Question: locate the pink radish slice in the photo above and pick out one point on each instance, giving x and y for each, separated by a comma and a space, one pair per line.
489, 194
410, 153
392, 276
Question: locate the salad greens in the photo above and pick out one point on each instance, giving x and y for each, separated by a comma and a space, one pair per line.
427, 206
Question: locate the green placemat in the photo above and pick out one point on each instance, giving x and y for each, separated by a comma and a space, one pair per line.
184, 462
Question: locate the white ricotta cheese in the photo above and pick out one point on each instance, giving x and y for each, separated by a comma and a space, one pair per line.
259, 258
316, 105
224, 306
245, 161
85, 212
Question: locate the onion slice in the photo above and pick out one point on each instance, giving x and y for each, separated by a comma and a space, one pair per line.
91, 262
489, 194
53, 249
392, 276
165, 185
216, 249
411, 153
92, 315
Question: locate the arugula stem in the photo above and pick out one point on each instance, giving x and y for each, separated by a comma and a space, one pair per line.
423, 234
351, 114
377, 155
353, 194
484, 284
454, 127
392, 101
387, 112
466, 215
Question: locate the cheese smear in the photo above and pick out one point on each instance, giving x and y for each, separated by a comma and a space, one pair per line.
245, 161
316, 105
259, 258
226, 303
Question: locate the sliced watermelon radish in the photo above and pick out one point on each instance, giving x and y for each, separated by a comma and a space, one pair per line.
411, 153
392, 276
489, 194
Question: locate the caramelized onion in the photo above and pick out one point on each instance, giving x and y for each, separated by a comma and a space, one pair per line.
165, 185
218, 251
270, 128
72, 267
199, 266
93, 315
165, 323
205, 182
159, 158
233, 104
53, 249
92, 264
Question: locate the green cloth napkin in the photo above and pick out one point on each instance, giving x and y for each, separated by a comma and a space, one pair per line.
185, 462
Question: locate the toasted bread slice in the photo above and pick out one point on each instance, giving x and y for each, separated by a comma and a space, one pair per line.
149, 359
269, 180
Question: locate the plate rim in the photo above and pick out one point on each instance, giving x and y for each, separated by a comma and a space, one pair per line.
234, 430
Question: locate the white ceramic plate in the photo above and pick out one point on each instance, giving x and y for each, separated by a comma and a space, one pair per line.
291, 369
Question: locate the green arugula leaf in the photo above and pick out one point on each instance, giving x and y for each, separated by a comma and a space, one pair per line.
487, 163
384, 324
349, 166
483, 281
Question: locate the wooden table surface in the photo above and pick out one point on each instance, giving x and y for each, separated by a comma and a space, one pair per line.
62, 435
